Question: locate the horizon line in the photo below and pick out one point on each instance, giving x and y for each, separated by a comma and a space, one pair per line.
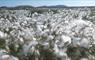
49, 5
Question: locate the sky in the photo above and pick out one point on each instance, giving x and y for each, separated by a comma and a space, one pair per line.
47, 2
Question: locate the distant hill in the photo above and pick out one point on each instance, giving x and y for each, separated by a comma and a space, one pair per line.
17, 7
56, 6
23, 7
64, 6
30, 7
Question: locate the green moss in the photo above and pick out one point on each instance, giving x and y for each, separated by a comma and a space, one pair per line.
92, 50
2, 43
14, 49
54, 11
92, 13
76, 53
38, 10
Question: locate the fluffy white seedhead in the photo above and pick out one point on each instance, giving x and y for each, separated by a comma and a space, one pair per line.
83, 59
3, 35
85, 43
2, 52
13, 58
4, 57
53, 31
66, 39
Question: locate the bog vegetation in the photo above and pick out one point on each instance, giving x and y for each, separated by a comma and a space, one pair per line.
47, 34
